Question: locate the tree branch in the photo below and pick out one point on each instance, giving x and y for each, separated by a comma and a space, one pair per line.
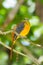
29, 54
13, 49
25, 50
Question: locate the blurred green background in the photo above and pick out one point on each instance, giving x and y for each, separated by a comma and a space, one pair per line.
33, 11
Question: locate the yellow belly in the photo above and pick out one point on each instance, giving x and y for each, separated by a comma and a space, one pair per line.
26, 29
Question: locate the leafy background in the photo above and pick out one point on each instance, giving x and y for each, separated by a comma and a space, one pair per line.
27, 10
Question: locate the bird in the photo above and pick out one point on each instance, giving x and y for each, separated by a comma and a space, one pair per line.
21, 29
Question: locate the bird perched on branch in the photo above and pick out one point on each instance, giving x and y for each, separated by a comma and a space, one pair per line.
22, 29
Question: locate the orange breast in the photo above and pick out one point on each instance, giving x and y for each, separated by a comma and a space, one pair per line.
26, 29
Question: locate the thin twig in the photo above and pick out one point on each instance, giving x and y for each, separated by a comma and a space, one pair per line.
29, 54
13, 49
5, 33
38, 45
